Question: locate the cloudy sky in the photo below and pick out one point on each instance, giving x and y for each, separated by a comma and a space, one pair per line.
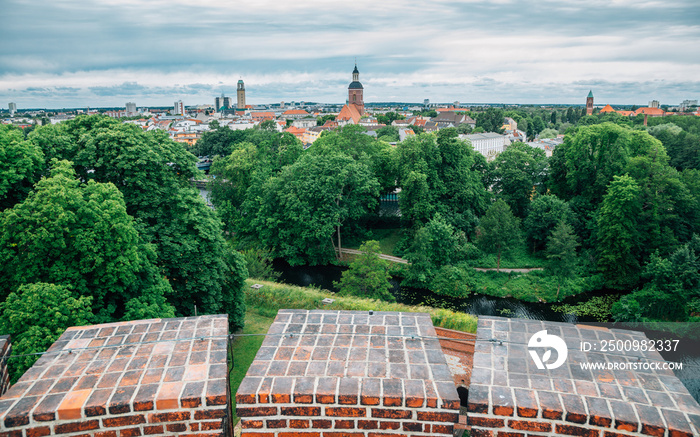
70, 53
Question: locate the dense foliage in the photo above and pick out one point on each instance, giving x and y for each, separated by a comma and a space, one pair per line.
105, 214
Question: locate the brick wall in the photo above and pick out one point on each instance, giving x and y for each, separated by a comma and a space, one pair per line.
5, 350
510, 397
348, 373
147, 377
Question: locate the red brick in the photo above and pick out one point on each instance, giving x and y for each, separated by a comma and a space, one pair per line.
430, 416
321, 424
443, 429
123, 421
218, 414
300, 434
412, 426
576, 431
389, 425
300, 411
176, 427
381, 434
343, 434
106, 434
529, 425
209, 426
130, 432
257, 434
247, 423
526, 403
15, 433
487, 422
510, 434
87, 425
277, 423
154, 429
243, 412
344, 424
38, 432
391, 414
367, 424
175, 416
298, 423
344, 412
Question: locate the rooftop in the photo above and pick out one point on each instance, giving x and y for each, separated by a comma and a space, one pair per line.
93, 375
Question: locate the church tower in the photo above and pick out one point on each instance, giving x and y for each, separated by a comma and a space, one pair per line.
589, 103
355, 91
240, 93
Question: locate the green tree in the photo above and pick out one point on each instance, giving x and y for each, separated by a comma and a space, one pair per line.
79, 235
549, 133
21, 164
367, 276
518, 172
619, 237
300, 212
453, 281
561, 253
153, 174
671, 287
490, 120
544, 214
499, 230
36, 315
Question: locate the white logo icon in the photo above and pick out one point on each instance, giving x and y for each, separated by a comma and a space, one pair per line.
542, 339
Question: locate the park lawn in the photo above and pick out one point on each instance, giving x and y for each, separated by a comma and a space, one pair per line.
244, 349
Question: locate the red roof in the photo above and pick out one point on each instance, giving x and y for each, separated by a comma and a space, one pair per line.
295, 112
649, 111
349, 112
607, 108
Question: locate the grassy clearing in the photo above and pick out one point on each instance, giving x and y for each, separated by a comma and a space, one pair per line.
518, 258
244, 349
273, 297
388, 238
530, 287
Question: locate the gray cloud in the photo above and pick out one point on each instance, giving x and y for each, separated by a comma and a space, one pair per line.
475, 50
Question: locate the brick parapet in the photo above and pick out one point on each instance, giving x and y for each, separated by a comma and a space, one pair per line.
5, 351
348, 373
509, 396
147, 377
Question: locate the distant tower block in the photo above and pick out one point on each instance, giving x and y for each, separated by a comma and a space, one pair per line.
589, 103
355, 92
240, 93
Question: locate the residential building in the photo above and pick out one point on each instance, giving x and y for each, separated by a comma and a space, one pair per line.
179, 108
687, 105
295, 114
304, 123
654, 104
222, 102
452, 119
13, 108
131, 109
488, 144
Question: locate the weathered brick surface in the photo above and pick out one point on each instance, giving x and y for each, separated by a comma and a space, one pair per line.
5, 350
349, 373
146, 377
510, 396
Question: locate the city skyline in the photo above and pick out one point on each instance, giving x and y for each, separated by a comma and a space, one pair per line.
72, 54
